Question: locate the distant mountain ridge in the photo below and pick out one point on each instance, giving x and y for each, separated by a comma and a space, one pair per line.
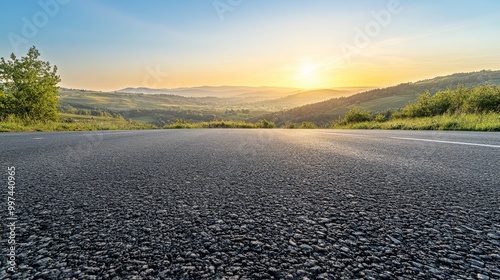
306, 97
380, 100
219, 91
271, 98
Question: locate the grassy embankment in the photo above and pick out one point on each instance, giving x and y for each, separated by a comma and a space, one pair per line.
476, 108
471, 122
220, 124
71, 122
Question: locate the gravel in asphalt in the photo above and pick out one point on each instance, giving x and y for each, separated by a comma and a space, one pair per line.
254, 204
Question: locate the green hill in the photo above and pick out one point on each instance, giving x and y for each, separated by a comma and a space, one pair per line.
119, 101
303, 98
192, 104
159, 109
379, 100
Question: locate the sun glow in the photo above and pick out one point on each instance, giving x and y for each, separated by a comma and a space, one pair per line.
308, 70
309, 76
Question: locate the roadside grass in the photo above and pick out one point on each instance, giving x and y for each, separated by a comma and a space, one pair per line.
470, 122
180, 124
77, 123
467, 122
75, 117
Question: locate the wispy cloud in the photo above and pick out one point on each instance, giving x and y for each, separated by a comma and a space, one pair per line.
428, 34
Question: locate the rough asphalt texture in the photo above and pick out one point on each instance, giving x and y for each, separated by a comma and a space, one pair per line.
254, 204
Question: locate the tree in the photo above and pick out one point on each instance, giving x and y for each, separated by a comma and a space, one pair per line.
356, 115
29, 88
2, 99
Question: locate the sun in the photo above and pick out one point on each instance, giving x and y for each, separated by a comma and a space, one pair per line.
308, 70
308, 76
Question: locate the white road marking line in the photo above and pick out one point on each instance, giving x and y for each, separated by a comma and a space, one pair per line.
447, 142
38, 138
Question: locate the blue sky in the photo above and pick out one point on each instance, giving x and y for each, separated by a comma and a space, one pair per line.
107, 45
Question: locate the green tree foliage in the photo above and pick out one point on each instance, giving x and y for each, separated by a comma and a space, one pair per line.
380, 118
483, 99
422, 108
479, 99
291, 125
356, 115
29, 88
3, 99
266, 124
308, 125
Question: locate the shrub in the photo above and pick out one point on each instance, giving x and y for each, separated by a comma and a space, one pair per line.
440, 103
380, 118
355, 116
484, 99
290, 125
308, 125
266, 124
479, 99
419, 109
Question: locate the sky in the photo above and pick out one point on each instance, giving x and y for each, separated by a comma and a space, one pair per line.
113, 44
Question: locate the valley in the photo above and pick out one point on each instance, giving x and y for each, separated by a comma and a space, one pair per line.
279, 105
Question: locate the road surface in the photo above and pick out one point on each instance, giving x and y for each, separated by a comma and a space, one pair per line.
253, 204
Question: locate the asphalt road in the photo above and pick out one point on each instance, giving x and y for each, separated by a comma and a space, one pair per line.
253, 204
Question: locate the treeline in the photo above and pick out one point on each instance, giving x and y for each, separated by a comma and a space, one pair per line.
463, 100
66, 108
164, 117
219, 124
